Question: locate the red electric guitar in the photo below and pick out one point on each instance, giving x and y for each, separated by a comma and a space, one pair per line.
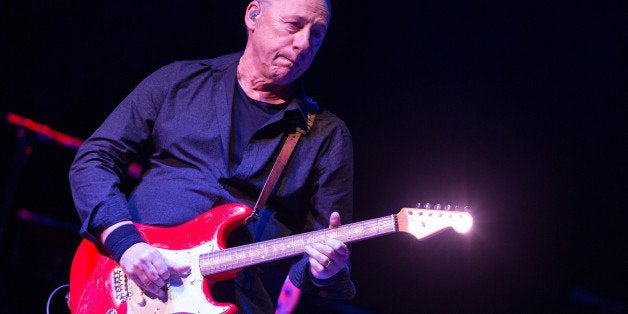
98, 284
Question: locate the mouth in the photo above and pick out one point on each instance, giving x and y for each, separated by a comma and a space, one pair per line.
285, 61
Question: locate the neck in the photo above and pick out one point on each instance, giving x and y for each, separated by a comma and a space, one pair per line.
259, 88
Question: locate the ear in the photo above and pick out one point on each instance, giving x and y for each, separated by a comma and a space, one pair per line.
252, 11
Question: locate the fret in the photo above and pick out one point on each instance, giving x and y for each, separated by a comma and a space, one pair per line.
252, 254
333, 233
237, 257
222, 262
263, 252
242, 257
301, 238
344, 234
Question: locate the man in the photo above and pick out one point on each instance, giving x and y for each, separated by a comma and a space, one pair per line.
211, 130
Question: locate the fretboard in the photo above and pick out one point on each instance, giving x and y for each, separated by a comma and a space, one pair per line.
266, 251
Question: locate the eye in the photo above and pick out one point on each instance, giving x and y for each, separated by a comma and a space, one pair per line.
316, 34
294, 25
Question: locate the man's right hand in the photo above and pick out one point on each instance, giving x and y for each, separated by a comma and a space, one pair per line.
149, 269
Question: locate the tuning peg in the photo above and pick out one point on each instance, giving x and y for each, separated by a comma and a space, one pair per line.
437, 206
418, 205
428, 206
447, 207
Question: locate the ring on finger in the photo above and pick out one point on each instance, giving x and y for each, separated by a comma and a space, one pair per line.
329, 261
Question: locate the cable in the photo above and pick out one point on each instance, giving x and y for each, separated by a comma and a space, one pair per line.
52, 294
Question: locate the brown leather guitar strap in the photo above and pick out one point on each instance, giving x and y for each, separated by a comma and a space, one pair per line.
280, 163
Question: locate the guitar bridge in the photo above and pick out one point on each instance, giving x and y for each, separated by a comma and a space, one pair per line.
121, 291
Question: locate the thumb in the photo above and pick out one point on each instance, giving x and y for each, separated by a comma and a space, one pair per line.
334, 220
178, 267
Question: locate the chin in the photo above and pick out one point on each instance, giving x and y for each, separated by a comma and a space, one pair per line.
283, 76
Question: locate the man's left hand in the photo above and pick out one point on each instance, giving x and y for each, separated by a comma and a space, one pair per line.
327, 259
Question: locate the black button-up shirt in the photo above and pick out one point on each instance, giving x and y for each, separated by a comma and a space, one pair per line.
181, 118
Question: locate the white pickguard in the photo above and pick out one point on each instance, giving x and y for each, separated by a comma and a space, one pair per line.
185, 294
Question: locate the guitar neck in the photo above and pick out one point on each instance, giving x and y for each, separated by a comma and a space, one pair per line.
266, 251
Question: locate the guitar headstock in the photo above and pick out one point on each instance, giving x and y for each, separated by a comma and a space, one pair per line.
423, 222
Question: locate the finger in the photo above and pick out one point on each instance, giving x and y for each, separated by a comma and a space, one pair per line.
318, 259
317, 266
162, 270
334, 220
154, 275
154, 289
338, 247
324, 250
147, 284
178, 268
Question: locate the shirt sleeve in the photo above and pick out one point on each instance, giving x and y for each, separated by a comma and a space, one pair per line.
101, 162
333, 191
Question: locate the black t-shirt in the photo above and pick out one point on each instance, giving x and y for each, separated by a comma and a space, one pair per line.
248, 116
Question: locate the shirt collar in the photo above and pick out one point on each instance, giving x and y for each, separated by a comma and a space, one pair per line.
301, 103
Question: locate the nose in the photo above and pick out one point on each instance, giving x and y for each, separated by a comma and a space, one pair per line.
302, 40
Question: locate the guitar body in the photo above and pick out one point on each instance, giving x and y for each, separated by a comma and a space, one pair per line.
98, 285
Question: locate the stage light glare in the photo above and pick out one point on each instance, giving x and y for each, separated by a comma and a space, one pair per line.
464, 224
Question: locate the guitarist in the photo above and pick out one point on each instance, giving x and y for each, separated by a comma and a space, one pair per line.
210, 131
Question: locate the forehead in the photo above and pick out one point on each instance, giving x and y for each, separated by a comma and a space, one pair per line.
314, 10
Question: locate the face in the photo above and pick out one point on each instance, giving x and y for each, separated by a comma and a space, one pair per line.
285, 35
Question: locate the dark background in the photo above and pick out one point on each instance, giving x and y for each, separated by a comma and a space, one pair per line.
514, 107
